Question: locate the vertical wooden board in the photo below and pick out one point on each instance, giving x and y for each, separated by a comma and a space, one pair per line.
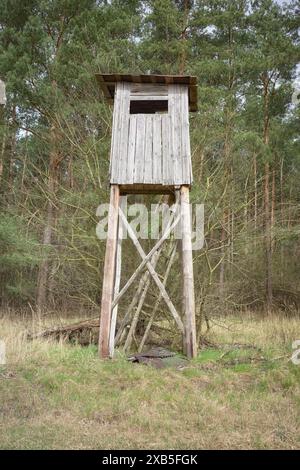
185, 137
176, 134
139, 149
118, 132
182, 143
123, 133
131, 149
114, 142
179, 134
118, 136
148, 169
171, 137
170, 130
166, 155
157, 149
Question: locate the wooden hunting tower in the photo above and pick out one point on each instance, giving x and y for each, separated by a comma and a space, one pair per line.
150, 153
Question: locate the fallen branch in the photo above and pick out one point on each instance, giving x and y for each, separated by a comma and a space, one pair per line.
66, 330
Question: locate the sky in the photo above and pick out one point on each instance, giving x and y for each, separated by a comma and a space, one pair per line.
281, 2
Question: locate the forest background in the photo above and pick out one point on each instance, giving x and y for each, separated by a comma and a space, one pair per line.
55, 141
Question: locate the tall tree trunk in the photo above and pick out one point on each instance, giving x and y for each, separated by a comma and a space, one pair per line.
43, 275
2, 152
223, 254
255, 192
268, 229
282, 216
246, 215
201, 166
228, 213
44, 266
54, 162
268, 240
7, 151
273, 206
182, 63
3, 132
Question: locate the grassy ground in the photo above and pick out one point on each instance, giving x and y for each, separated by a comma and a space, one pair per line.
57, 396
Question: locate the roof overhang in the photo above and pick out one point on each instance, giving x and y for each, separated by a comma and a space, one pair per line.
107, 84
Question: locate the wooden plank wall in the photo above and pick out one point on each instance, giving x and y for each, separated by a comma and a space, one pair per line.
151, 148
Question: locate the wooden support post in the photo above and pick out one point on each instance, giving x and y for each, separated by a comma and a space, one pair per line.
109, 272
113, 323
190, 344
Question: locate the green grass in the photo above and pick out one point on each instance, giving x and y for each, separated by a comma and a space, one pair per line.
59, 396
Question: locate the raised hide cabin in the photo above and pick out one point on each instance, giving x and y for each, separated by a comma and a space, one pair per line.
150, 132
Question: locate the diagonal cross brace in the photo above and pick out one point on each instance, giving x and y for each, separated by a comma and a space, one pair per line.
143, 281
150, 268
147, 257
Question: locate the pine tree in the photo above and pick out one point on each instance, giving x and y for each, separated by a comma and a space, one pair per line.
271, 59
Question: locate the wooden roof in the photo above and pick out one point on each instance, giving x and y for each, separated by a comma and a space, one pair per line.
107, 83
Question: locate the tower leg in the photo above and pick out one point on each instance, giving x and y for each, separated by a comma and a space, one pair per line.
109, 272
114, 313
189, 340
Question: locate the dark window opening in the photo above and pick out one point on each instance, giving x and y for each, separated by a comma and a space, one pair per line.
148, 106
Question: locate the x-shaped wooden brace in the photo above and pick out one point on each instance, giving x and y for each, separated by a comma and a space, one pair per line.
146, 261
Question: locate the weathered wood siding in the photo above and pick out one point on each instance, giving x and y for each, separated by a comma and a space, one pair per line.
151, 148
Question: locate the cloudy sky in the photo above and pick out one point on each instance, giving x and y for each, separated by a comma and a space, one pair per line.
281, 2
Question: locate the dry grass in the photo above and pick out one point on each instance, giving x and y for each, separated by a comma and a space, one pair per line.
57, 396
